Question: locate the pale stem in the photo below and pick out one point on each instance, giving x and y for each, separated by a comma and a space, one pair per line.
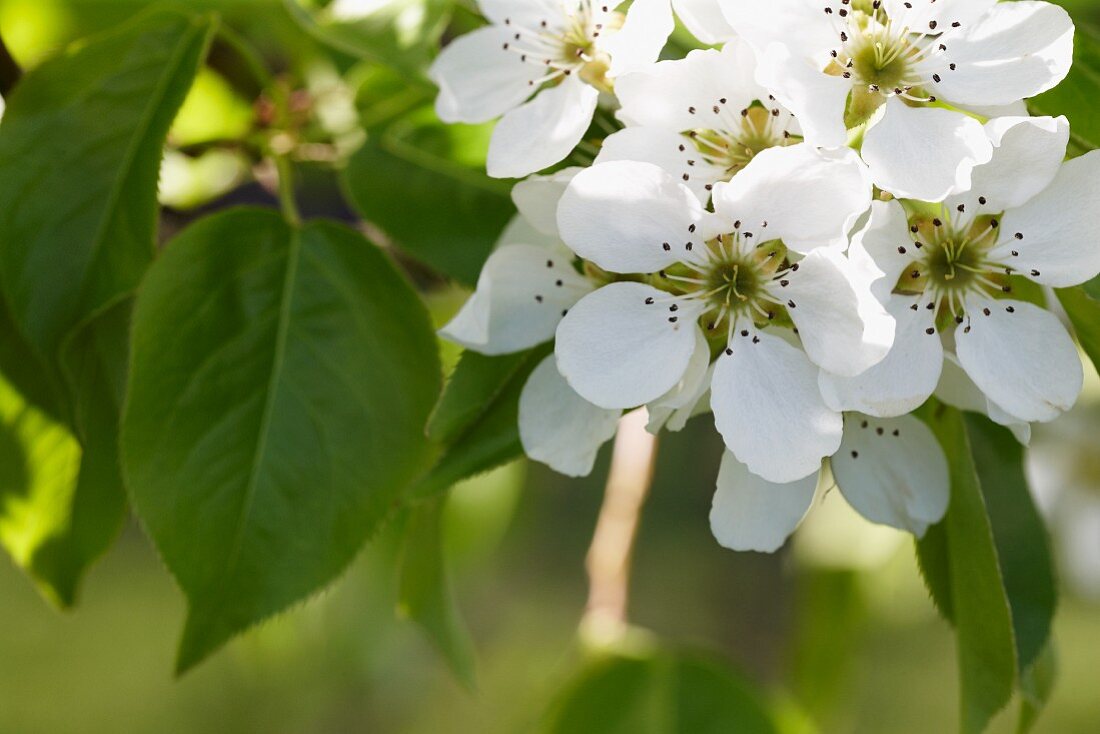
609, 556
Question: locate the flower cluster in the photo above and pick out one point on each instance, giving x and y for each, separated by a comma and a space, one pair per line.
808, 230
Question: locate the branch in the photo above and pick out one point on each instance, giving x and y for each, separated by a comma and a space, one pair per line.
10, 73
609, 556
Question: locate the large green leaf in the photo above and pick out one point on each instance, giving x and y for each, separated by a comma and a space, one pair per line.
281, 380
658, 692
477, 418
978, 604
423, 183
80, 151
1076, 97
1084, 312
425, 594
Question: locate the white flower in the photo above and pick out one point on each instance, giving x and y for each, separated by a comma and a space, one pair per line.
696, 117
891, 471
542, 65
834, 65
957, 272
765, 266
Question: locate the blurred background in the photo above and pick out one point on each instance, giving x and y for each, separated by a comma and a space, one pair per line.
838, 626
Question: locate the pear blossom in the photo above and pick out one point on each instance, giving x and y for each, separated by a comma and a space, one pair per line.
701, 118
891, 471
542, 64
761, 279
951, 276
895, 64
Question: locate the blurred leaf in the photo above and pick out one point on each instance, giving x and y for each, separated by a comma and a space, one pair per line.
402, 34
979, 607
293, 372
1076, 97
660, 692
1036, 685
935, 569
423, 183
480, 419
1084, 313
81, 147
1023, 548
426, 594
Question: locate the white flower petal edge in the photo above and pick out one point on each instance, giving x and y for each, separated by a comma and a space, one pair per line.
704, 19
665, 149
621, 346
956, 389
769, 410
893, 472
543, 131
1021, 357
807, 197
639, 42
560, 428
537, 199
1058, 228
686, 393
752, 514
622, 214
904, 379
522, 294
925, 154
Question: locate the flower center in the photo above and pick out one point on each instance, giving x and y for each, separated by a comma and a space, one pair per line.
743, 135
566, 46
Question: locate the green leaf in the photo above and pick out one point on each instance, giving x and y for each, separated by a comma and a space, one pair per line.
423, 184
80, 150
1084, 313
1076, 97
1036, 685
402, 34
1023, 548
658, 692
280, 382
426, 596
979, 607
478, 417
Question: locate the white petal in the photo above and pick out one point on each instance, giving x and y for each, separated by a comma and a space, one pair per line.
904, 379
753, 514
644, 33
924, 153
798, 24
1023, 360
1027, 155
518, 302
560, 428
875, 249
893, 472
1016, 51
685, 393
956, 389
769, 410
526, 13
704, 19
520, 232
670, 151
621, 214
919, 13
543, 131
1059, 227
537, 198
827, 313
617, 351
808, 198
816, 99
478, 80
681, 95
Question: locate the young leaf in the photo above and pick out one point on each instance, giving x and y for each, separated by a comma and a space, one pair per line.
281, 380
979, 607
658, 692
418, 182
478, 418
1076, 97
426, 596
81, 148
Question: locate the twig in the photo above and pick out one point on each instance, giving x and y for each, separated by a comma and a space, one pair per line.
609, 556
10, 72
